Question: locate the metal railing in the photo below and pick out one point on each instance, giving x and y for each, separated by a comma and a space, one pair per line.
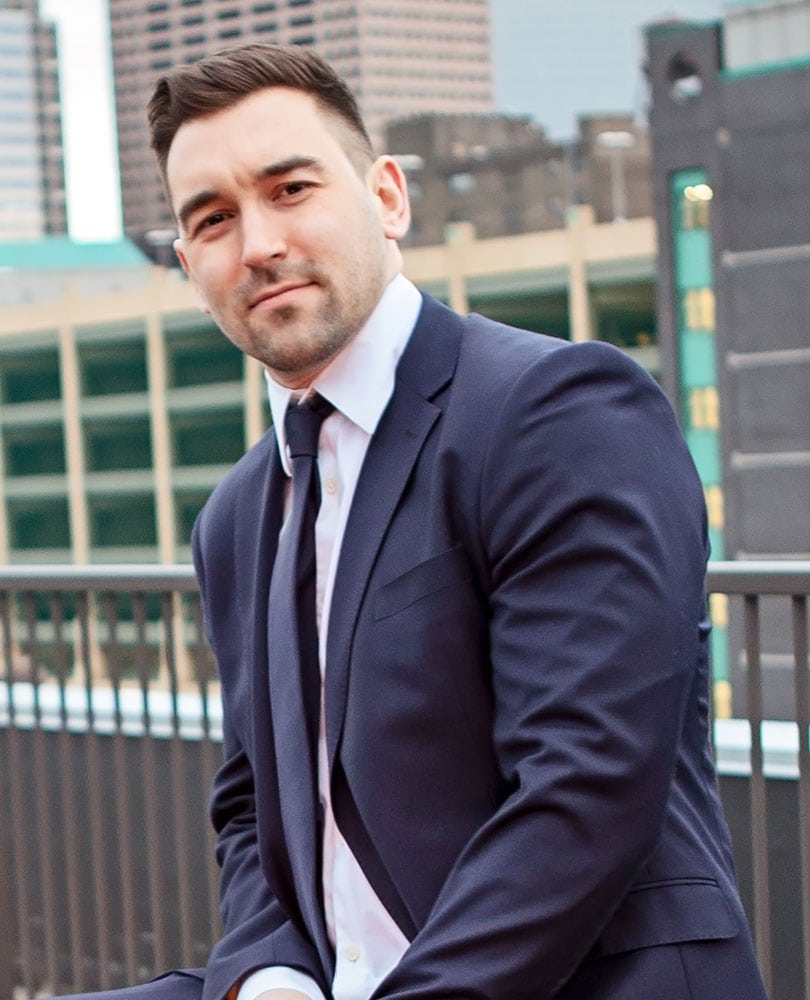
109, 730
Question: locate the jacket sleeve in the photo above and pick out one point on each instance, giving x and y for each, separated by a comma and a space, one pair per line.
256, 931
593, 521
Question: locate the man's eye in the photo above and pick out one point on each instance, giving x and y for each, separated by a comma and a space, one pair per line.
294, 187
212, 220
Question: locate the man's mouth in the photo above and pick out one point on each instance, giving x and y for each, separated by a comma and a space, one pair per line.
277, 294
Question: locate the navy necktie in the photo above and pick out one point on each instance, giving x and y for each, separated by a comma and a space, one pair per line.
292, 623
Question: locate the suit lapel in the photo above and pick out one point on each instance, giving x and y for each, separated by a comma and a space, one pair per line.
426, 366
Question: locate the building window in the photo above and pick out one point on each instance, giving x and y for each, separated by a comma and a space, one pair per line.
210, 438
34, 451
113, 367
110, 444
31, 377
117, 521
39, 523
461, 183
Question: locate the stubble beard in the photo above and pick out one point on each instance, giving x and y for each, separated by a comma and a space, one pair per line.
292, 341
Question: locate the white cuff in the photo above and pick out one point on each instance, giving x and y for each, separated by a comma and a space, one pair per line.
278, 977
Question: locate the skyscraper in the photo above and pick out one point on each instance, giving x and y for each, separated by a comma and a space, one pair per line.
32, 182
400, 59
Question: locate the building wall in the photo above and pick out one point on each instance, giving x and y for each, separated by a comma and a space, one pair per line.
121, 410
733, 313
502, 174
398, 58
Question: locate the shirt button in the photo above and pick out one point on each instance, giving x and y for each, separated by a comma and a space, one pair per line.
331, 486
352, 953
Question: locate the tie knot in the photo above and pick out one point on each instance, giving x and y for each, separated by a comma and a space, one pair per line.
302, 422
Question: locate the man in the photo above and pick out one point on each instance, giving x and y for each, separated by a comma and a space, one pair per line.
505, 791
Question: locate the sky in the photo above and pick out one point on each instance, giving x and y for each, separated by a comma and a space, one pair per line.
528, 80
94, 212
581, 54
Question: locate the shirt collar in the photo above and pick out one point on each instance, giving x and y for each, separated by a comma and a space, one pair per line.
360, 380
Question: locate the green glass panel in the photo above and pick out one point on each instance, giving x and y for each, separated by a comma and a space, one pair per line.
705, 452
693, 259
698, 361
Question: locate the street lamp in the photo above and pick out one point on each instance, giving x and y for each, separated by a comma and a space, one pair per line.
616, 143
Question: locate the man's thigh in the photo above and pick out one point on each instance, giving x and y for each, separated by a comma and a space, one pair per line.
172, 986
694, 970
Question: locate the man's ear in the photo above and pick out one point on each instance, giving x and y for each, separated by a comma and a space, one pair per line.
202, 303
388, 184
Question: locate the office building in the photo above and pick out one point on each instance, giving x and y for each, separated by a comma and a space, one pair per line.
503, 175
400, 59
122, 406
730, 128
32, 183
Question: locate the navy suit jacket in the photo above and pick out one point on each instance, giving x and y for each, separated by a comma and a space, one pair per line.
516, 683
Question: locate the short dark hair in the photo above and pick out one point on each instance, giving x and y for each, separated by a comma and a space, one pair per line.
221, 80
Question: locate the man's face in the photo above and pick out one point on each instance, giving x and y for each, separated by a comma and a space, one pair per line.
288, 246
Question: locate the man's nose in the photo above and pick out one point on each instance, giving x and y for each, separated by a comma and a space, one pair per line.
263, 238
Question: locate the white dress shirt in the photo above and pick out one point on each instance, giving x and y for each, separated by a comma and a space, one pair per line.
359, 383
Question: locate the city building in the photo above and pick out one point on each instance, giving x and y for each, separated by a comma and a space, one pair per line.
730, 128
122, 406
32, 182
400, 59
502, 174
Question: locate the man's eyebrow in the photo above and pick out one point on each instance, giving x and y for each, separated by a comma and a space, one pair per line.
194, 204
277, 169
281, 167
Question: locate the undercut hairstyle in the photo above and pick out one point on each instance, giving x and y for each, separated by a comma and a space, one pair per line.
223, 79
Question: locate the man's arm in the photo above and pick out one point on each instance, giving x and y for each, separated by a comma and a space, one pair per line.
257, 931
593, 521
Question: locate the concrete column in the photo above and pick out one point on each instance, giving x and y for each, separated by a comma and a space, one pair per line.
254, 401
74, 443
580, 317
457, 239
159, 425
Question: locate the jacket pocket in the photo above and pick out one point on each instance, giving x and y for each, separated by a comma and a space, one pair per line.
667, 913
440, 571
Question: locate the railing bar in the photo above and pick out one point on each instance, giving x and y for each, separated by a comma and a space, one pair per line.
155, 843
96, 809
210, 765
108, 576
19, 861
209, 760
202, 673
142, 659
167, 616
155, 846
9, 933
30, 613
84, 665
42, 803
802, 679
180, 786
759, 828
123, 817
70, 799
182, 839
